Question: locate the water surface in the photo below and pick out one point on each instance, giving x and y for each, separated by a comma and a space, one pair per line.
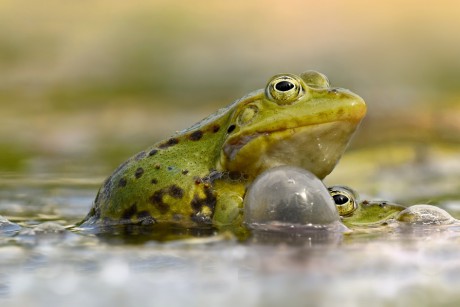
391, 265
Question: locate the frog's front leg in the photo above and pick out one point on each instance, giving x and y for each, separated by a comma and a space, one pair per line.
229, 206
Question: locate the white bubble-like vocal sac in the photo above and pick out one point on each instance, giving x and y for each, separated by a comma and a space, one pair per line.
289, 195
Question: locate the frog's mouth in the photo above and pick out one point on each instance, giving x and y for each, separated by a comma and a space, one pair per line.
316, 148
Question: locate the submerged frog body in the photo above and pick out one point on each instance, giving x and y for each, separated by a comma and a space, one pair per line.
376, 213
366, 213
200, 175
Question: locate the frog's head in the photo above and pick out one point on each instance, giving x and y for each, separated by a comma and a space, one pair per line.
365, 213
295, 120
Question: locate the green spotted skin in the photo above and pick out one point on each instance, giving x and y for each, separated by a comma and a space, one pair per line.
199, 175
171, 181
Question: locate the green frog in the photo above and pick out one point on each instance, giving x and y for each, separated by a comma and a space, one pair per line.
199, 175
365, 213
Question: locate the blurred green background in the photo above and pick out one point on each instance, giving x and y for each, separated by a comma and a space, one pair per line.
85, 84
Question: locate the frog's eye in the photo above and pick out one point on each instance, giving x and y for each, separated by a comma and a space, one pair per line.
284, 89
345, 200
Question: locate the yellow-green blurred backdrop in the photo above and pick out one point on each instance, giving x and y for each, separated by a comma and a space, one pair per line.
89, 81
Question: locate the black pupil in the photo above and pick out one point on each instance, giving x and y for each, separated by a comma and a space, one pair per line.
340, 199
284, 86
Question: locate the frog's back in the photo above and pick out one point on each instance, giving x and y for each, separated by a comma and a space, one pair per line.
170, 181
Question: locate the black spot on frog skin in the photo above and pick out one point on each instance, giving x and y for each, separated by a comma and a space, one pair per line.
231, 128
157, 200
185, 172
140, 155
139, 172
129, 212
153, 152
169, 143
122, 182
176, 192
154, 181
198, 203
215, 128
196, 135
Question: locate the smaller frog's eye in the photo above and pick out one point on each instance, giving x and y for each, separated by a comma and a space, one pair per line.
340, 199
284, 89
345, 200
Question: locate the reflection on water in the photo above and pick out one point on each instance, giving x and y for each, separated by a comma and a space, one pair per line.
396, 269
140, 234
46, 262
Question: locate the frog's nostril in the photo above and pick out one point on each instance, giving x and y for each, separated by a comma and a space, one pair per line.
284, 86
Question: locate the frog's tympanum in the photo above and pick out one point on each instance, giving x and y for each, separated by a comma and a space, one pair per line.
200, 175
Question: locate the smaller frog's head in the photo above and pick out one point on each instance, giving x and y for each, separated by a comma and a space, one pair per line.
295, 120
365, 213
